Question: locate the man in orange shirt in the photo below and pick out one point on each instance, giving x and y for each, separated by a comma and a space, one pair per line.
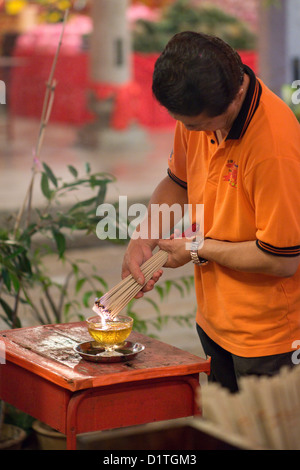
237, 152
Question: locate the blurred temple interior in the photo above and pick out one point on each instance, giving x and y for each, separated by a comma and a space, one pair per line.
76, 105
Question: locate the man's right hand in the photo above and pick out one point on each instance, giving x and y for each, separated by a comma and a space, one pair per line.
140, 249
137, 253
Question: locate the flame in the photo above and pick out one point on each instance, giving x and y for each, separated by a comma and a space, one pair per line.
100, 310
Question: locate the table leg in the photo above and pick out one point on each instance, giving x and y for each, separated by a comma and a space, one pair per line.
74, 418
194, 384
71, 420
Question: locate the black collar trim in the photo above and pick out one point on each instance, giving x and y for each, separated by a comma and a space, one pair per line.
248, 108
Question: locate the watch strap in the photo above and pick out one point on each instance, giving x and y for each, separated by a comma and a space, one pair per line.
196, 259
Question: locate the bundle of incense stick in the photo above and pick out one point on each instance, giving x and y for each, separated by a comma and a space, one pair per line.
111, 303
266, 410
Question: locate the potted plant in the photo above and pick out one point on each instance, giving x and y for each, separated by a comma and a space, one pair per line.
22, 260
11, 436
151, 36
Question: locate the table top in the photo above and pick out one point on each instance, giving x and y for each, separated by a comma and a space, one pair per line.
48, 351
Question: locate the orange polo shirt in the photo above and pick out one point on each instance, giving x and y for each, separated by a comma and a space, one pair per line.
250, 188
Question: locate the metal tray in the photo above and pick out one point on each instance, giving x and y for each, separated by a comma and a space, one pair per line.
91, 351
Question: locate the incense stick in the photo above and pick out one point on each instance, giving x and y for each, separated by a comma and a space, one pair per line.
111, 303
265, 411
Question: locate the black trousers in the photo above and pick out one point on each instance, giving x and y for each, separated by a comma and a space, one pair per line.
227, 368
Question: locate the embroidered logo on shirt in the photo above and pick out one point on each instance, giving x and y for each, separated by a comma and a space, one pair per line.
231, 176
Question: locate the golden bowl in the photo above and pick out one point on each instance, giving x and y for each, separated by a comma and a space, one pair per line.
109, 334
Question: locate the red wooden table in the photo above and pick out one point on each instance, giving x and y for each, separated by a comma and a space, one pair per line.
44, 377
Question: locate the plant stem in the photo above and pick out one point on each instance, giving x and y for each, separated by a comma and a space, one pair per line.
47, 317
63, 293
51, 303
46, 111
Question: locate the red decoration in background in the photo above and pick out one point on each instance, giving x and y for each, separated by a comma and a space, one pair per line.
127, 102
133, 101
152, 114
27, 87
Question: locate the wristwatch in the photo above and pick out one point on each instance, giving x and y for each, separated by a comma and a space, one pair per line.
194, 253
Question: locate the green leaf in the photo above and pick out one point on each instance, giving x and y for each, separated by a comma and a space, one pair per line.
160, 291
6, 320
74, 184
186, 282
60, 241
98, 294
45, 186
73, 170
75, 268
17, 323
14, 254
86, 202
79, 284
7, 309
168, 285
101, 280
101, 194
6, 278
87, 168
24, 264
67, 308
15, 281
138, 324
50, 174
178, 287
154, 304
86, 298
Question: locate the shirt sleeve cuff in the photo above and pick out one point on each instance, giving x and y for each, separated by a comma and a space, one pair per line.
177, 180
282, 251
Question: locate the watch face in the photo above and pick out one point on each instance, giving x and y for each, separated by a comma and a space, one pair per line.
194, 246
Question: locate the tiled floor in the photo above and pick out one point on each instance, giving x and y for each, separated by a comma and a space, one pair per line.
138, 167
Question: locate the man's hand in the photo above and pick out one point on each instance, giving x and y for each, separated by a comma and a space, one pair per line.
137, 253
178, 252
140, 249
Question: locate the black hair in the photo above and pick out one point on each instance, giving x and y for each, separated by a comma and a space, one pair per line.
197, 73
